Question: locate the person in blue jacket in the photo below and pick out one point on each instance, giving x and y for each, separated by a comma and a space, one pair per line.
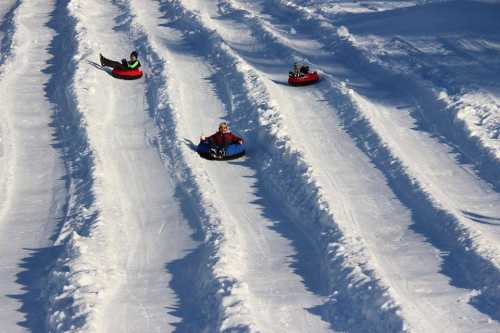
133, 63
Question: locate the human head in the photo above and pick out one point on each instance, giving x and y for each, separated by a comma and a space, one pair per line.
223, 127
134, 55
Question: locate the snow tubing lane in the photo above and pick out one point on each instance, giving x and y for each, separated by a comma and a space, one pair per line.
130, 74
304, 80
233, 151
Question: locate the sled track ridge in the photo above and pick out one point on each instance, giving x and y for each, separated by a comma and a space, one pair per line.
7, 25
477, 266
48, 302
69, 301
352, 283
212, 285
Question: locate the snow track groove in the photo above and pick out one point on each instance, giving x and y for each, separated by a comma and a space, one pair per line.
62, 292
199, 289
7, 27
237, 290
32, 187
472, 248
112, 274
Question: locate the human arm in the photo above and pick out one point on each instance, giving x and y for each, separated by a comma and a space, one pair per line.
133, 64
236, 139
208, 138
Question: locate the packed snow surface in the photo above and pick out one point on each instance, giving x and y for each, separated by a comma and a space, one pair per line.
368, 202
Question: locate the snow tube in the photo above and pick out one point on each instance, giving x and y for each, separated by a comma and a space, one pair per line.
303, 80
232, 151
128, 74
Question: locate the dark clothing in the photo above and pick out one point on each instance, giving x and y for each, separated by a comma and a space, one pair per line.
223, 139
124, 65
299, 71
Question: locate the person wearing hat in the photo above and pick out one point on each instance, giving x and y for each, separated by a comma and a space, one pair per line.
221, 140
133, 63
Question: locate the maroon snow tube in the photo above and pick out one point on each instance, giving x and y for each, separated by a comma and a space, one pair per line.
303, 80
128, 74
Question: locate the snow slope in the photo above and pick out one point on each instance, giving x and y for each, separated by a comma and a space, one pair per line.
32, 183
270, 296
305, 119
365, 203
139, 226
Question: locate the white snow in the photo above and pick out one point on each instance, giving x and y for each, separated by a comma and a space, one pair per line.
368, 202
32, 188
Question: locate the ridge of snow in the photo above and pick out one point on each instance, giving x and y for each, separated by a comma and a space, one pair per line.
217, 290
230, 310
33, 178
105, 259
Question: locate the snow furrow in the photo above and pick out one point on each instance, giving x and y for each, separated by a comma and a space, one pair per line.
467, 213
200, 301
112, 274
32, 183
234, 261
64, 312
7, 28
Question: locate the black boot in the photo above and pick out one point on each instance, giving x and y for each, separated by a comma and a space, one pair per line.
213, 152
220, 154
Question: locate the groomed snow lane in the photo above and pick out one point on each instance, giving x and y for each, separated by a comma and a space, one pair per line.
266, 294
115, 273
32, 184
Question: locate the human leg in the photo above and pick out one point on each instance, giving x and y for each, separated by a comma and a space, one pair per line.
111, 63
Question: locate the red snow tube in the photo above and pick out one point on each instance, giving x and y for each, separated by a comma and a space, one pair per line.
128, 74
303, 80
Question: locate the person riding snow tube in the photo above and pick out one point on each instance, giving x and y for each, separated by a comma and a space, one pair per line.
127, 69
223, 145
301, 76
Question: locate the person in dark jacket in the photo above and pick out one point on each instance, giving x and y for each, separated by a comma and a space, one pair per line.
221, 140
133, 63
299, 70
